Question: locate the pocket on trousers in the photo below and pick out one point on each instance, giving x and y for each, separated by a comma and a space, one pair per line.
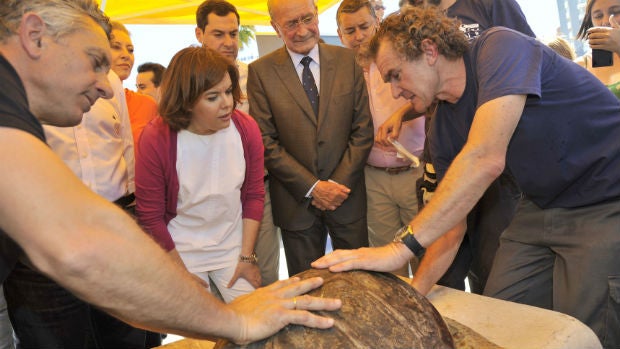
611, 337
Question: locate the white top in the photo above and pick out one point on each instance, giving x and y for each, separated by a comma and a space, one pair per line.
100, 149
208, 227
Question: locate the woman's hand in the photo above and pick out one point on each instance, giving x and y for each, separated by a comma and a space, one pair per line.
248, 271
605, 38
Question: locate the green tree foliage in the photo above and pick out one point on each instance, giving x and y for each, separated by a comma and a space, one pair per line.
246, 34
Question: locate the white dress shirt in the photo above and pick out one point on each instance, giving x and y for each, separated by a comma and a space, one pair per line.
100, 149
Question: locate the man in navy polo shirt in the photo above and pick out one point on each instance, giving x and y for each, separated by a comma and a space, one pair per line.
508, 102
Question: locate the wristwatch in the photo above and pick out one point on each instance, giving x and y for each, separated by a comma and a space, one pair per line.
252, 259
405, 235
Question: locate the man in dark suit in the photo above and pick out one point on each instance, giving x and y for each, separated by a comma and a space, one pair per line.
317, 130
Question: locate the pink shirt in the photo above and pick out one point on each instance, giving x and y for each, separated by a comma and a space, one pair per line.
382, 106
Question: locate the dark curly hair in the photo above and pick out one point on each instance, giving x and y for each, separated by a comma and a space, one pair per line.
191, 72
407, 29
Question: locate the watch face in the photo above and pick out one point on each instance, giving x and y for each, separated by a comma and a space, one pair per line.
405, 235
400, 234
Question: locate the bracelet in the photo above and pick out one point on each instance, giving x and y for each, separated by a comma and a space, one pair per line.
252, 259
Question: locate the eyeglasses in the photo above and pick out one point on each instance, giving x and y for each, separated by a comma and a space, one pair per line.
294, 24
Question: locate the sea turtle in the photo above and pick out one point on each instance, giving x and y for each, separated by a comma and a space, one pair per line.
378, 311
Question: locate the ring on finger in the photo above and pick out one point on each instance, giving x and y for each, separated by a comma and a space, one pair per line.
294, 302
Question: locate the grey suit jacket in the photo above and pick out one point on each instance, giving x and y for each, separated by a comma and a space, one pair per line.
301, 148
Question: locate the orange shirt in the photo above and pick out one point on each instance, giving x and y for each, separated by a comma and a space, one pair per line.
142, 109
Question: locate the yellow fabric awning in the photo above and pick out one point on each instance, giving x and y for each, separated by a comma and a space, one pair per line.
252, 12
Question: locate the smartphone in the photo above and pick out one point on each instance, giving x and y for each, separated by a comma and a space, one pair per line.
602, 58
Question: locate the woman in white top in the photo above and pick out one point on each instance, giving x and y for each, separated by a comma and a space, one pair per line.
199, 176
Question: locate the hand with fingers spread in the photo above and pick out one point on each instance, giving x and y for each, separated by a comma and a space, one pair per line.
385, 258
268, 309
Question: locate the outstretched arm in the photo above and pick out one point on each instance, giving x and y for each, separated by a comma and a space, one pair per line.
437, 259
99, 253
472, 171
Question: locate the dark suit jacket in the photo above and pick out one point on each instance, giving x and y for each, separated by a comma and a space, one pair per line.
301, 148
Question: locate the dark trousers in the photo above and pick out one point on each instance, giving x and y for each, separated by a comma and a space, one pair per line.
45, 315
302, 247
567, 260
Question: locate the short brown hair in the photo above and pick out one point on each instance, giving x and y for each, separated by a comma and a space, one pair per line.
407, 29
191, 72
220, 8
352, 6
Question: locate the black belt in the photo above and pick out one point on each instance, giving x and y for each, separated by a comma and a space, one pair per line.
126, 200
391, 170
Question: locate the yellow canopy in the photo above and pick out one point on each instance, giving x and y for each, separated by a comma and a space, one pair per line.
252, 12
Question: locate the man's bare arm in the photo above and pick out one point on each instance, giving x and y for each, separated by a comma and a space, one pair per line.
437, 259
99, 253
481, 161
476, 166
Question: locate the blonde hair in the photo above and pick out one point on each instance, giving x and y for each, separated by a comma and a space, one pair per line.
562, 47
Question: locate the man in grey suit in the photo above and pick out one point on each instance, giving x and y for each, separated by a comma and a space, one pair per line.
317, 130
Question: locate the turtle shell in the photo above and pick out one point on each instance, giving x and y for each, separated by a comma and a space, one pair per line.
379, 310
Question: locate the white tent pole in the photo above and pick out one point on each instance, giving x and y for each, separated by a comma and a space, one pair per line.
103, 5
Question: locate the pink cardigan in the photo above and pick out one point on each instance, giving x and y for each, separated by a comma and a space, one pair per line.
157, 183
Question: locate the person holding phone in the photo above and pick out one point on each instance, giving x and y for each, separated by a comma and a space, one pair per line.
601, 27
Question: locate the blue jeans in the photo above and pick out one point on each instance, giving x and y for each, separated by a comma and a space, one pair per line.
45, 315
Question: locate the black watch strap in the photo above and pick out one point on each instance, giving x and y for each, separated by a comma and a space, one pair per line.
414, 245
405, 235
